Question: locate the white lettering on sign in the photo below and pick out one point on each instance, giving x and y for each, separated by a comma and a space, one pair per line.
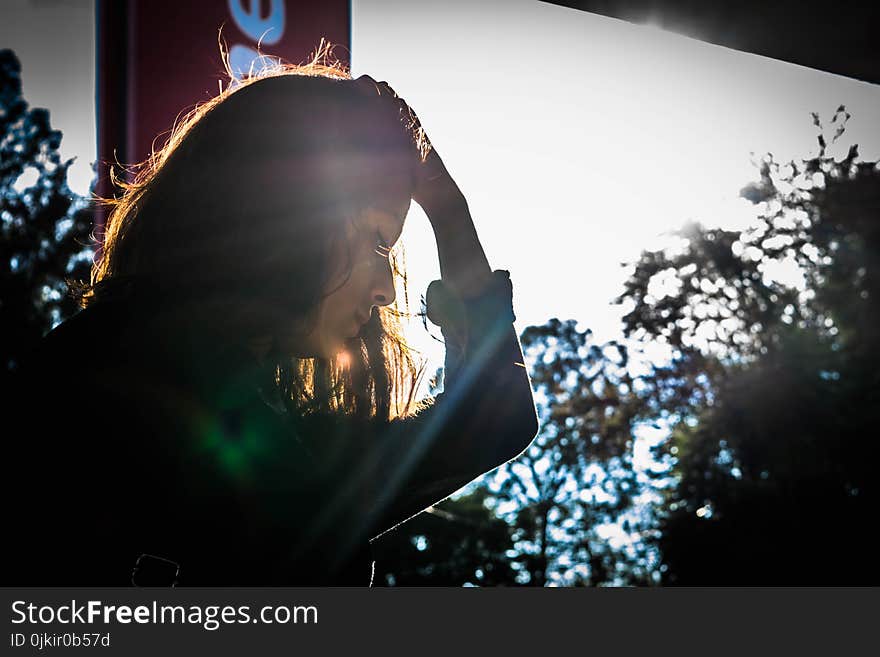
269, 29
245, 60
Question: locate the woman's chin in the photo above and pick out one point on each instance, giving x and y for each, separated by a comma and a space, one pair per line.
344, 346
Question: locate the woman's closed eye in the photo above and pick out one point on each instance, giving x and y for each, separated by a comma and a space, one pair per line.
382, 247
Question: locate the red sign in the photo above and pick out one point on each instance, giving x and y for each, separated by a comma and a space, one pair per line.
158, 58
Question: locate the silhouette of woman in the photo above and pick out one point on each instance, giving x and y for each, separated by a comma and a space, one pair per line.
235, 404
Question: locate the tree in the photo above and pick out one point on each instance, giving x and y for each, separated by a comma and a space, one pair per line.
580, 505
575, 509
45, 226
458, 542
772, 382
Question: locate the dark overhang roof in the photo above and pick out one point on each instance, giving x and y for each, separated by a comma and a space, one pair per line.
837, 37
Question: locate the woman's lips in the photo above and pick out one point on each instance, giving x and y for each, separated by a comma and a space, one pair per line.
359, 321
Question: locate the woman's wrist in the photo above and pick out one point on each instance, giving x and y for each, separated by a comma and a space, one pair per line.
443, 202
463, 263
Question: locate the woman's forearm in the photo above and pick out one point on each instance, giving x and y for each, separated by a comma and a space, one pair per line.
463, 263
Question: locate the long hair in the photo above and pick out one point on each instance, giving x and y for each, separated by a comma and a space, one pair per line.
236, 214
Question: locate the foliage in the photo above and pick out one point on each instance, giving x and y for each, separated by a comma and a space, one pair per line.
773, 330
45, 226
725, 292
579, 503
577, 508
456, 543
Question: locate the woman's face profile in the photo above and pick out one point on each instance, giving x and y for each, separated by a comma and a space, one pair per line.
369, 283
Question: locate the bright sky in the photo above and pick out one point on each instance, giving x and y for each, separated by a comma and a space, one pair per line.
55, 43
577, 139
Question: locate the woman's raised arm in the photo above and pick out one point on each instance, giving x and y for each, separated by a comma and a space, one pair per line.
486, 413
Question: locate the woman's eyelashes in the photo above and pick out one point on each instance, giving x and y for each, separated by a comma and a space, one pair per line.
382, 247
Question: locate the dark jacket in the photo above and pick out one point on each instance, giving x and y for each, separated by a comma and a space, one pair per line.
129, 440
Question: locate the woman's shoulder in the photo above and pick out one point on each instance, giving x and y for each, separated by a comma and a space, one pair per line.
82, 335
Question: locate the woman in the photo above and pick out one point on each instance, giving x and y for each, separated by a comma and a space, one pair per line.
244, 398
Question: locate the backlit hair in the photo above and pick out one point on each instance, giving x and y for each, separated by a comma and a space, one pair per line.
235, 215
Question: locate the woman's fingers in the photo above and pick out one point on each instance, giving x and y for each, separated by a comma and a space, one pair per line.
370, 85
433, 182
367, 83
388, 95
384, 90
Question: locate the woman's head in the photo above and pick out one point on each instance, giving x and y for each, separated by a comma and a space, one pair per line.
270, 213
361, 281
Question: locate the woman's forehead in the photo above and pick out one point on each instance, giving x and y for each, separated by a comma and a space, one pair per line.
392, 202
389, 217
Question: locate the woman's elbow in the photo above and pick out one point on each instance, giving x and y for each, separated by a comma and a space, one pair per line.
520, 418
526, 431
516, 434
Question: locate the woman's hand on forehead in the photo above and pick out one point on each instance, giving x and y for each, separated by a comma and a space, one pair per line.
435, 190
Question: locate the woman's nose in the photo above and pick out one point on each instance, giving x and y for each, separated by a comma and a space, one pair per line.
383, 288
